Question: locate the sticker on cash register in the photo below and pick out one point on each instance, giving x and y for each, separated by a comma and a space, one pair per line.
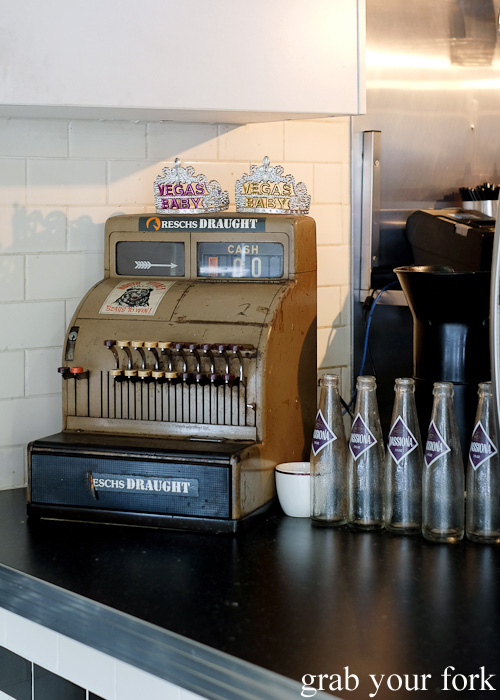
435, 446
126, 483
362, 438
481, 446
401, 440
135, 298
323, 435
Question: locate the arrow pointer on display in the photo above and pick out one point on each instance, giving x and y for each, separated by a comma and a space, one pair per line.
147, 264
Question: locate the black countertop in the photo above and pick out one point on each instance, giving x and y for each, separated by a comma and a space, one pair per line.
287, 597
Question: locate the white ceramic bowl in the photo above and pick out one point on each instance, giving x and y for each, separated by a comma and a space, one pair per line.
293, 487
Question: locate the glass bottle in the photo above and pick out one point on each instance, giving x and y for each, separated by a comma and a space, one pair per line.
403, 470
443, 472
329, 458
366, 461
483, 474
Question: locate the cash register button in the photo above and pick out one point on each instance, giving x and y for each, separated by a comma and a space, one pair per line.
137, 343
216, 379
131, 373
164, 345
116, 372
109, 343
123, 343
76, 370
151, 344
158, 374
171, 375
144, 373
63, 371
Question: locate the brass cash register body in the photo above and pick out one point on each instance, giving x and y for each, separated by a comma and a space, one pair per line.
189, 373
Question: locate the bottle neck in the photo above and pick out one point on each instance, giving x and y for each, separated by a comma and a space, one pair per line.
366, 400
329, 400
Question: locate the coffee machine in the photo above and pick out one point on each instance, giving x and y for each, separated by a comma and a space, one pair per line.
188, 373
448, 293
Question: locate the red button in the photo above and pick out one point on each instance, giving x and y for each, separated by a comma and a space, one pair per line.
76, 370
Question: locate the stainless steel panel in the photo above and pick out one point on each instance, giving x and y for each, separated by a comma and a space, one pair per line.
370, 215
433, 78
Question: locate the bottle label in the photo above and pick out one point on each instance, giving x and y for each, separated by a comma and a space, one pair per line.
401, 440
481, 446
323, 435
435, 446
362, 438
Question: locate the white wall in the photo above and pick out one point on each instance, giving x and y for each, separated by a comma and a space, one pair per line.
60, 180
82, 665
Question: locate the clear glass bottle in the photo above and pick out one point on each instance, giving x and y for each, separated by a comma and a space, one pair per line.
443, 473
483, 474
329, 458
403, 469
366, 461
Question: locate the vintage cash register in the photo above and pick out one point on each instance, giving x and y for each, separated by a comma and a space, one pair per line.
188, 372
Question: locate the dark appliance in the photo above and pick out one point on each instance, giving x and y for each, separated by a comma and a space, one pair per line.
450, 337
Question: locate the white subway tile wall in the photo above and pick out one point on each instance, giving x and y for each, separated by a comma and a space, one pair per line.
80, 664
59, 182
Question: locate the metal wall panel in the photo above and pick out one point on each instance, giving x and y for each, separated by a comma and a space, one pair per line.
433, 79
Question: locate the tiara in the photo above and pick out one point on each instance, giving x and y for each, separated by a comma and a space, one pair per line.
266, 190
179, 191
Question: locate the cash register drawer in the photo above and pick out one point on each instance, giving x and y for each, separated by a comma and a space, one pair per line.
127, 484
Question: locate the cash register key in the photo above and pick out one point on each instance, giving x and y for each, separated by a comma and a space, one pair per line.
64, 372
230, 379
76, 370
217, 379
202, 378
125, 345
223, 350
172, 377
236, 350
111, 345
158, 374
164, 344
116, 373
139, 346
130, 373
190, 351
144, 374
152, 347
188, 377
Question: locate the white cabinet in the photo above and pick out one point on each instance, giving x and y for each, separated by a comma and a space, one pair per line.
190, 60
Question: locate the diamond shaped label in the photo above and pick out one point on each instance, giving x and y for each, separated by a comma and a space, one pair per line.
435, 446
323, 435
481, 446
362, 438
401, 440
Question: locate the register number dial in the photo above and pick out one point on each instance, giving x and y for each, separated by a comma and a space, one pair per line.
150, 258
245, 259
